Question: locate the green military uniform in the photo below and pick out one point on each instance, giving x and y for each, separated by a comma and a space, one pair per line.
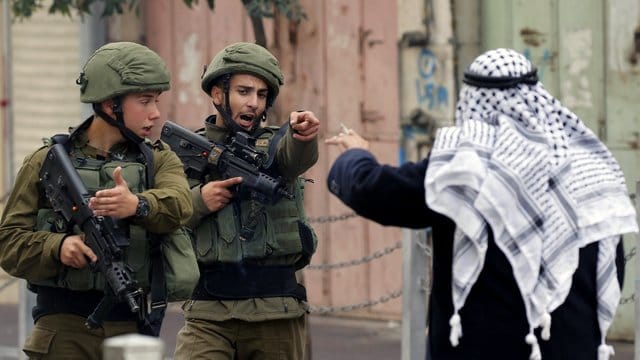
271, 326
35, 257
248, 303
30, 245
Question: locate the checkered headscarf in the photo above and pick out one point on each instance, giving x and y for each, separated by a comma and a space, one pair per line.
520, 163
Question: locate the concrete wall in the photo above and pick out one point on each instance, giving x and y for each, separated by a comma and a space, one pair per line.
45, 99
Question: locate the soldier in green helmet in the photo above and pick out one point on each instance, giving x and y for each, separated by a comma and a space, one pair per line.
137, 183
248, 303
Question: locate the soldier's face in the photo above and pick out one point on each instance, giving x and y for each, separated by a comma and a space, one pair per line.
141, 112
247, 99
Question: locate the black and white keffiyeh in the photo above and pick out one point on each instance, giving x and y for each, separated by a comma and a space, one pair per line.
523, 165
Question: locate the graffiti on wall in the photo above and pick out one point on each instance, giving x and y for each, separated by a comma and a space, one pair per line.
542, 64
430, 93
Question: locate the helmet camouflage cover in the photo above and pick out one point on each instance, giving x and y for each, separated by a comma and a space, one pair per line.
120, 68
248, 58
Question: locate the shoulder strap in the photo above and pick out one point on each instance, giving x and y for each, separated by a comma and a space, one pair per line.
158, 285
60, 139
272, 145
147, 152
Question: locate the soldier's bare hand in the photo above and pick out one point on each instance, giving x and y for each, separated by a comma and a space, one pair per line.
75, 253
304, 124
118, 201
216, 194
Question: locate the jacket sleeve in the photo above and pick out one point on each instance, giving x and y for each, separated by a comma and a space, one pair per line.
388, 195
294, 157
200, 209
170, 199
25, 253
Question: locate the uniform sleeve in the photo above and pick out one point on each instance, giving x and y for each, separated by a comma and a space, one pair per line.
25, 253
170, 199
200, 209
294, 157
388, 195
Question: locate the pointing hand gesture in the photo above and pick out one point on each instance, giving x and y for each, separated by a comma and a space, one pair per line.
304, 125
216, 194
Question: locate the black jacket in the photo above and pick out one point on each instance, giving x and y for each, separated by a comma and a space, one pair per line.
494, 324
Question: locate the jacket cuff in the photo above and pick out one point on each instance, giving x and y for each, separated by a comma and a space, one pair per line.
200, 209
51, 247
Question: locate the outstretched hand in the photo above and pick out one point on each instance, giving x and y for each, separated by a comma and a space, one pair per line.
348, 139
118, 201
304, 125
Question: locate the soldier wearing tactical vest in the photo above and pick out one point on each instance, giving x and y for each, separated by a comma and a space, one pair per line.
248, 304
123, 82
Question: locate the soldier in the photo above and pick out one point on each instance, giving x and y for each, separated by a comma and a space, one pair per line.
248, 304
139, 184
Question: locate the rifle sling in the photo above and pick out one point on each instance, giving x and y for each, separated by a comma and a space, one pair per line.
158, 292
273, 143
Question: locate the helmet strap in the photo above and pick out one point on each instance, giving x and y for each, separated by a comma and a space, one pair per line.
118, 121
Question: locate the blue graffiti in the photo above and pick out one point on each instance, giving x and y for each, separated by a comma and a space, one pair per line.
426, 63
427, 90
543, 63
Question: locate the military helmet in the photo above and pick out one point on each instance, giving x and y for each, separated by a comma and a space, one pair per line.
120, 68
243, 57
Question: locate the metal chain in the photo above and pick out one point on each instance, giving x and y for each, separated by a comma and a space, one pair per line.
331, 218
365, 259
629, 299
376, 255
630, 255
627, 257
428, 252
332, 309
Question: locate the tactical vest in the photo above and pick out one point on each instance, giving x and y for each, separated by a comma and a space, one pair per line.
96, 175
282, 235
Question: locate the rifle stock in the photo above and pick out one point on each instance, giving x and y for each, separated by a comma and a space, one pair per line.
239, 158
69, 197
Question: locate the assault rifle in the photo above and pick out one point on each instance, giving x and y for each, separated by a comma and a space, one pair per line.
69, 198
239, 158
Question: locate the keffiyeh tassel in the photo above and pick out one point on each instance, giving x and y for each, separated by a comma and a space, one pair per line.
535, 347
456, 329
605, 351
545, 322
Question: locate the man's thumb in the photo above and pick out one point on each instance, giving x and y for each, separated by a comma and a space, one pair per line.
117, 176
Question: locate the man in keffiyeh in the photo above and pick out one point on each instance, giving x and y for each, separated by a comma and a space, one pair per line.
527, 208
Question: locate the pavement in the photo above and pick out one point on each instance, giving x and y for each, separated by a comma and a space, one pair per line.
332, 338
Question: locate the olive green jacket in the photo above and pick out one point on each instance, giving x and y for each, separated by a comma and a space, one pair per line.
35, 255
293, 157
